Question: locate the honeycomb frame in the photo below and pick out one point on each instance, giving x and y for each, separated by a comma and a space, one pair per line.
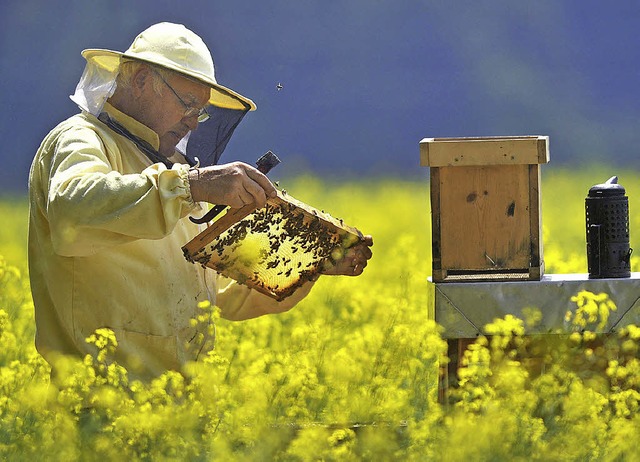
275, 249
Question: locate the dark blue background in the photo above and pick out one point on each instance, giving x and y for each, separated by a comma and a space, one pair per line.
363, 80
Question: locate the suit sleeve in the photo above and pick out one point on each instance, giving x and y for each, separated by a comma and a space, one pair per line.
92, 206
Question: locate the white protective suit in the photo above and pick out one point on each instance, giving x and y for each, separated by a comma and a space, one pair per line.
105, 235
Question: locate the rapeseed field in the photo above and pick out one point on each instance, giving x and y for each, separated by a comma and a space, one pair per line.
351, 374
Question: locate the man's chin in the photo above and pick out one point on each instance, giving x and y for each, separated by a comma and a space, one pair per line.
167, 152
168, 144
167, 149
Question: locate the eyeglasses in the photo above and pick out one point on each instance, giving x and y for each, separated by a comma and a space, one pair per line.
190, 111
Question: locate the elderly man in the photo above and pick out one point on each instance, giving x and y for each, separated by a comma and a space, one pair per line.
110, 198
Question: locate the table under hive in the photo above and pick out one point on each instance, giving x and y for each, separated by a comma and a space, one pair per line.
464, 308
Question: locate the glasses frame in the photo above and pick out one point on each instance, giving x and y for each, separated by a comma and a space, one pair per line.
189, 111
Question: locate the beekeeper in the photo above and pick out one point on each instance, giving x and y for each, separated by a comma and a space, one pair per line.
110, 194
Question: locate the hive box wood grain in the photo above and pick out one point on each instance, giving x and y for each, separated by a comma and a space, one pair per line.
485, 207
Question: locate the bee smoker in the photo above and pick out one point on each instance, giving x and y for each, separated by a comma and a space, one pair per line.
607, 220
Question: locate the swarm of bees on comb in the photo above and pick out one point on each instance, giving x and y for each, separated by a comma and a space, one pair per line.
275, 249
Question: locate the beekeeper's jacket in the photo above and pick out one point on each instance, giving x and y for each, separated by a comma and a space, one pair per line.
105, 235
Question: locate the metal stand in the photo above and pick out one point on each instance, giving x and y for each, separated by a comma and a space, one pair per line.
464, 308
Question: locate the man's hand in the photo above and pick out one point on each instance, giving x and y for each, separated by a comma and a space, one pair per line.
353, 261
236, 184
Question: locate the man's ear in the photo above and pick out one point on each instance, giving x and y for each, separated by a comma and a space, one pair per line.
140, 80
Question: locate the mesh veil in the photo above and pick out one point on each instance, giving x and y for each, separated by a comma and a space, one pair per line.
208, 142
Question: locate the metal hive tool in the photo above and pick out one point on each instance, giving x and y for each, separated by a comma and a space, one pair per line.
273, 250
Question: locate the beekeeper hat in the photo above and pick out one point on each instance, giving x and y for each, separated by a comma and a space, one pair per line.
173, 47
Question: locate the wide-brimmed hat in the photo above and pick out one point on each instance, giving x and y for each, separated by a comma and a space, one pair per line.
173, 47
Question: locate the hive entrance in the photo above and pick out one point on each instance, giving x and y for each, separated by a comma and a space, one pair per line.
273, 250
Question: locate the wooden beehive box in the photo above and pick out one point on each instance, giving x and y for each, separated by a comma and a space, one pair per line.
485, 207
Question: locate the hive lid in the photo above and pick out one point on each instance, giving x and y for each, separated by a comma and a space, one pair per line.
273, 250
486, 150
